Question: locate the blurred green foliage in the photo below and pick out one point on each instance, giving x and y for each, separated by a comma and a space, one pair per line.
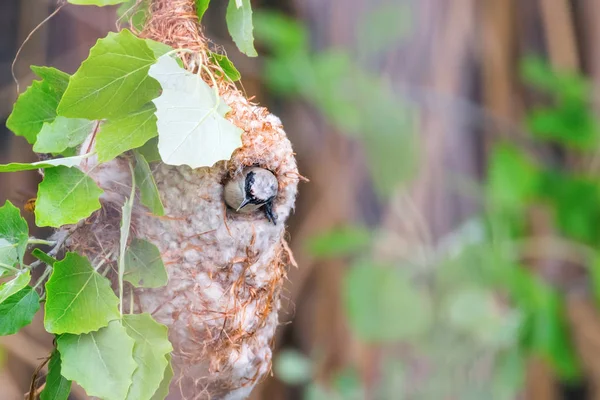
474, 299
293, 367
382, 304
567, 119
342, 241
357, 101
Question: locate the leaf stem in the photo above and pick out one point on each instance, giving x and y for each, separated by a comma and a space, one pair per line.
58, 244
125, 226
33, 240
9, 267
131, 301
216, 88
43, 277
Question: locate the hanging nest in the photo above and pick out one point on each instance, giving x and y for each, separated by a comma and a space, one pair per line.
225, 269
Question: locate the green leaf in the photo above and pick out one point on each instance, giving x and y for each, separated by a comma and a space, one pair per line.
387, 169
9, 257
56, 78
129, 132
548, 333
551, 339
475, 312
569, 120
62, 133
101, 362
38, 103
57, 162
576, 204
334, 71
113, 81
348, 384
538, 72
57, 386
239, 24
99, 3
513, 178
149, 352
201, 7
284, 35
340, 242
509, 374
594, 273
14, 234
18, 310
65, 196
163, 389
136, 13
226, 65
383, 305
150, 196
386, 122
293, 367
79, 299
144, 266
159, 49
150, 150
43, 257
191, 127
572, 125
15, 285
566, 85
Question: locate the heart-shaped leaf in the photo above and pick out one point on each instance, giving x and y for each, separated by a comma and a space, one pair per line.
62, 133
57, 386
144, 266
101, 362
78, 299
14, 234
18, 310
149, 352
113, 81
192, 129
65, 196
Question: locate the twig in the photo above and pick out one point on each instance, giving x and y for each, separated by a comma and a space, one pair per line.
53, 252
44, 276
103, 261
89, 148
34, 377
12, 66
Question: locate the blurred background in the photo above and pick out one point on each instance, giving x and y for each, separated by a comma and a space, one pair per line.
448, 242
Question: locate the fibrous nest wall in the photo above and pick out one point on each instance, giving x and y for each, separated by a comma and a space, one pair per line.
225, 269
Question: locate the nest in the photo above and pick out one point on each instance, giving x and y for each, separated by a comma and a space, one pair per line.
175, 23
226, 269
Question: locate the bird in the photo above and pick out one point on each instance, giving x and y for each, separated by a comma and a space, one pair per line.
255, 188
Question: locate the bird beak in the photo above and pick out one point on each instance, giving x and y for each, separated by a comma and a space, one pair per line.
244, 203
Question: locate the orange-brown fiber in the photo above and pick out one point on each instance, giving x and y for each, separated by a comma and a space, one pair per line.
174, 22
